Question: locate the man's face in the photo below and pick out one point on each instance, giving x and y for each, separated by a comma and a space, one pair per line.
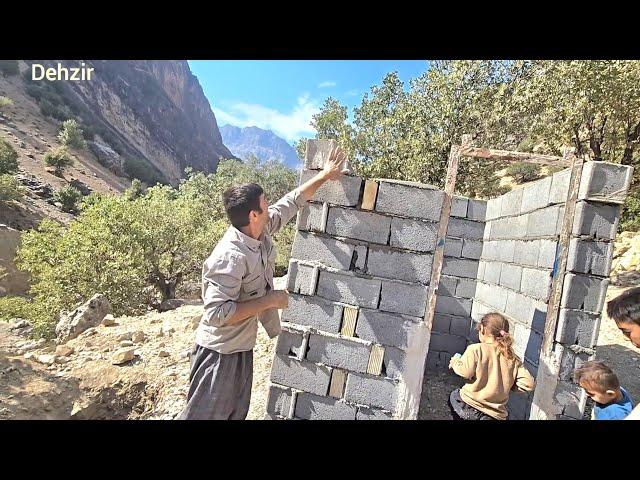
262, 218
603, 398
631, 330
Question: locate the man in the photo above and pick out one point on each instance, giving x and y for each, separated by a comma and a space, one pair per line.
237, 290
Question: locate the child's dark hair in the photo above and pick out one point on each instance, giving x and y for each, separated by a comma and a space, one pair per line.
596, 375
497, 326
625, 307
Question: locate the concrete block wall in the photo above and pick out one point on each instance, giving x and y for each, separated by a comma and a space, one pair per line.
354, 344
517, 264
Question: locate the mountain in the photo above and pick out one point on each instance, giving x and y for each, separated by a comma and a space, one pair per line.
264, 144
152, 110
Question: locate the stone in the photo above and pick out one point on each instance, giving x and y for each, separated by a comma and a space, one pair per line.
122, 356
46, 359
108, 321
163, 354
138, 337
64, 350
126, 343
88, 315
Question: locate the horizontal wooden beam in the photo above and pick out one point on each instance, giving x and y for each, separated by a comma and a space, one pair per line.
507, 156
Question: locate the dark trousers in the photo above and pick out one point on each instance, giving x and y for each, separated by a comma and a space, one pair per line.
463, 411
220, 385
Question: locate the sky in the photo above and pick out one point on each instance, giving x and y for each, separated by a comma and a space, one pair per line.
282, 95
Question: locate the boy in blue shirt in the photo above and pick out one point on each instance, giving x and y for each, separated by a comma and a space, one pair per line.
612, 402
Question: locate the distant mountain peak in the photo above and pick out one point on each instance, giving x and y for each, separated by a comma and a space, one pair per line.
264, 144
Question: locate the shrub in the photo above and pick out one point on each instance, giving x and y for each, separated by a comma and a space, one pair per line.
68, 196
8, 158
71, 134
5, 102
14, 307
58, 158
10, 188
523, 172
143, 171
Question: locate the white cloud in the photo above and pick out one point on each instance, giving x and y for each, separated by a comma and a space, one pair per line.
327, 84
352, 93
291, 126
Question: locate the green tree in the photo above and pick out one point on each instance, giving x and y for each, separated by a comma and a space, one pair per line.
136, 190
10, 188
5, 102
69, 197
8, 158
59, 159
71, 134
523, 172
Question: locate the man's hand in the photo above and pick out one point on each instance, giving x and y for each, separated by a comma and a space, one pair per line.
334, 165
278, 298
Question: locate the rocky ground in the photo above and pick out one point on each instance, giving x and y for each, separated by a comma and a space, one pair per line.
82, 381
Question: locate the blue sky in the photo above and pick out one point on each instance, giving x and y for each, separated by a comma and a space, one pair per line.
282, 95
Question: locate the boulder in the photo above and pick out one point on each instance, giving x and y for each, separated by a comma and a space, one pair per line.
88, 315
123, 355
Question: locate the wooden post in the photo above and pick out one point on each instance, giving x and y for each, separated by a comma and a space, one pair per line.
438, 257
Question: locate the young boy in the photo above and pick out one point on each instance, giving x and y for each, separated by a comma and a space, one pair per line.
603, 387
625, 311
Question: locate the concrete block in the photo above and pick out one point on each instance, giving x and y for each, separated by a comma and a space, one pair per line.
305, 376
596, 220
535, 195
547, 253
409, 199
510, 276
314, 407
338, 352
605, 182
582, 292
526, 252
505, 250
511, 203
328, 252
577, 328
441, 323
367, 226
545, 222
349, 289
373, 391
302, 278
398, 265
460, 326
478, 309
492, 296
590, 257
387, 328
453, 247
568, 396
492, 272
494, 206
466, 288
448, 285
394, 362
487, 230
477, 210
471, 249
415, 235
489, 250
453, 305
444, 342
311, 218
405, 298
527, 343
290, 343
313, 312
463, 228
536, 283
342, 191
560, 186
460, 267
526, 310
482, 265
318, 152
459, 207
569, 361
278, 401
510, 227
372, 414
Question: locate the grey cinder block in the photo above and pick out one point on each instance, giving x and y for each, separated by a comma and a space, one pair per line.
596, 220
605, 182
460, 267
583, 292
418, 235
305, 376
278, 400
406, 298
310, 218
463, 228
365, 413
536, 283
459, 206
361, 225
453, 305
493, 208
471, 249
342, 191
545, 222
510, 276
328, 251
560, 186
348, 289
301, 278
348, 354
526, 252
511, 203
477, 210
314, 407
409, 199
313, 312
590, 257
547, 253
466, 288
576, 327
444, 342
373, 391
318, 152
386, 328
407, 266
453, 247
535, 195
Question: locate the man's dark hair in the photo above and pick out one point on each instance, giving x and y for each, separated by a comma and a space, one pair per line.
239, 200
625, 307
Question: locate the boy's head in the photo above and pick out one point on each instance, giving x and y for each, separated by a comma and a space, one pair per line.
599, 381
625, 310
246, 206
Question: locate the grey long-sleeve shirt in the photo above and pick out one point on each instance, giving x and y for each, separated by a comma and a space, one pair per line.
240, 268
